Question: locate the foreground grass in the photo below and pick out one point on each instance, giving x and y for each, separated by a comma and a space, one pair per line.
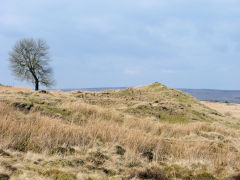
147, 132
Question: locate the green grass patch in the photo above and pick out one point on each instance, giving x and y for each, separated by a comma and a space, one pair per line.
58, 175
164, 117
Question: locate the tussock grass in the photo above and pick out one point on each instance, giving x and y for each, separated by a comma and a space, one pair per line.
37, 133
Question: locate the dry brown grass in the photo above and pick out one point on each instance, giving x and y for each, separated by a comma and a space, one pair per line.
91, 133
229, 109
14, 88
35, 132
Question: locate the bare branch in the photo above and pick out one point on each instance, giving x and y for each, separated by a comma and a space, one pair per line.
29, 60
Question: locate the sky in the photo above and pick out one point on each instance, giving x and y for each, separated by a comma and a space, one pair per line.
121, 43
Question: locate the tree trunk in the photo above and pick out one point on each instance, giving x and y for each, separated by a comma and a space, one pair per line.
36, 85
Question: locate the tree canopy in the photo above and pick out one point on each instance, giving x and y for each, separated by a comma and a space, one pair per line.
29, 60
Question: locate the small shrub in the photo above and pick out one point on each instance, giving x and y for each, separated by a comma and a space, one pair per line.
133, 164
97, 158
67, 150
148, 155
154, 174
109, 172
120, 150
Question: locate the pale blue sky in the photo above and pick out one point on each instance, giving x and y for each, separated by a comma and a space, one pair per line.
99, 43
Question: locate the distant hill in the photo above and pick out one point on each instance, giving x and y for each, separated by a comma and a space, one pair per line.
232, 96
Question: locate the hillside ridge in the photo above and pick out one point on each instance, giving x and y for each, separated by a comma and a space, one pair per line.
146, 132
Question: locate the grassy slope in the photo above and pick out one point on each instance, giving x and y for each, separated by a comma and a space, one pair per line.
228, 109
145, 132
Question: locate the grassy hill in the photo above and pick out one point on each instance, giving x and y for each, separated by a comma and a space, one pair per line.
148, 132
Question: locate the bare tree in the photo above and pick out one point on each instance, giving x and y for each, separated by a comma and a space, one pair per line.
29, 60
